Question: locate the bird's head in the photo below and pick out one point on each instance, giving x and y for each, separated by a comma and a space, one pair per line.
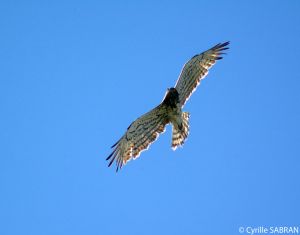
172, 92
171, 97
172, 89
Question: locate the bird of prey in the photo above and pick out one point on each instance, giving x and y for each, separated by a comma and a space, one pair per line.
145, 130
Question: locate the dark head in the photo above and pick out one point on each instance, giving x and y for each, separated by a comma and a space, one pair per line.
171, 97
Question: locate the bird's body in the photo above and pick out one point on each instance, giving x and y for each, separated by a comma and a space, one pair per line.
143, 131
172, 107
176, 117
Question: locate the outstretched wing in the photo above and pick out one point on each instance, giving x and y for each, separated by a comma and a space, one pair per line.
139, 135
196, 69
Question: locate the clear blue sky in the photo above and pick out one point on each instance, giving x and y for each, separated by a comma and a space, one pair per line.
75, 74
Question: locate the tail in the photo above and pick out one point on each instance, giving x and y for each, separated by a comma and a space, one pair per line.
180, 133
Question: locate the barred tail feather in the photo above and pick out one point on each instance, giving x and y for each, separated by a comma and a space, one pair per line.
179, 135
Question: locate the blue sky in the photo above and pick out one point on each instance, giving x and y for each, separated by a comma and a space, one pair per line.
75, 74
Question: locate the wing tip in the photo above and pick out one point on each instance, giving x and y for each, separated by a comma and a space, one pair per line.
109, 156
224, 44
115, 143
221, 46
219, 50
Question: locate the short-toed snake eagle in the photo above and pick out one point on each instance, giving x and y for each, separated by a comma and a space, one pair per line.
145, 130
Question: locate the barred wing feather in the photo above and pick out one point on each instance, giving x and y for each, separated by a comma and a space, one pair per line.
196, 69
139, 135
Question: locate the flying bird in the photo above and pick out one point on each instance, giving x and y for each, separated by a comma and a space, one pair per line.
145, 130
